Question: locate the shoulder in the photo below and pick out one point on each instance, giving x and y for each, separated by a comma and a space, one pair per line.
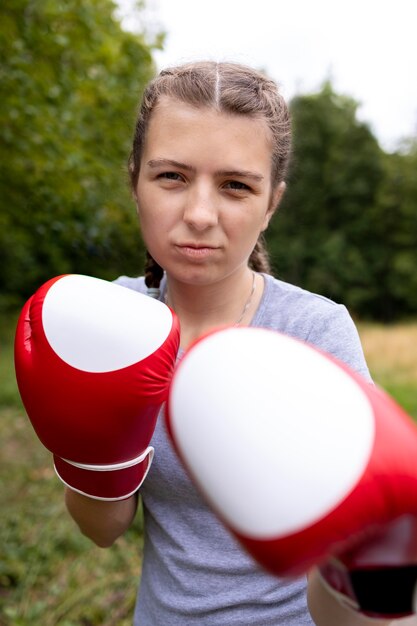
313, 318
291, 294
137, 284
296, 309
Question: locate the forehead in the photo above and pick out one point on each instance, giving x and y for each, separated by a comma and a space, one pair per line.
177, 128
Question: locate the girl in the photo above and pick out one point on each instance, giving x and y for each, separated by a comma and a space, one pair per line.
208, 166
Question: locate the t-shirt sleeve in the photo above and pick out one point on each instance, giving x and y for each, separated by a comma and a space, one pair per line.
137, 284
336, 334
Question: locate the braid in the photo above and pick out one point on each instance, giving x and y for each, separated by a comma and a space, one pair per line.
259, 258
153, 272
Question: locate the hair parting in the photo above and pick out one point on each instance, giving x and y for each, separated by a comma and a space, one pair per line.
217, 88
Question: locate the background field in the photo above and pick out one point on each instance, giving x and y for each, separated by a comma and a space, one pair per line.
49, 574
391, 352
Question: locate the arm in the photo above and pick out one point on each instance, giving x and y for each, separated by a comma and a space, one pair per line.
102, 522
93, 391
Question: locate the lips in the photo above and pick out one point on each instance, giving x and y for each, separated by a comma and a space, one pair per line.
196, 251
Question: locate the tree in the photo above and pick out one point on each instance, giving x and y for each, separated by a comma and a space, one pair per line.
323, 236
70, 82
396, 227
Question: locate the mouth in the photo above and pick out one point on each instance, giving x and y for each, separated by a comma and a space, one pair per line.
196, 250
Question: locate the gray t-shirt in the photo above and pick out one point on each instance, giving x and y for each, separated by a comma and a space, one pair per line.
194, 571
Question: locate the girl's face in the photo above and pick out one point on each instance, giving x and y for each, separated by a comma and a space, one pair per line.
204, 190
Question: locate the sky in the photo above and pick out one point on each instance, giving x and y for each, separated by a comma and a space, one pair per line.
367, 48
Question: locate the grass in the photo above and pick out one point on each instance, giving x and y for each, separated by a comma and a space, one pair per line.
50, 574
391, 353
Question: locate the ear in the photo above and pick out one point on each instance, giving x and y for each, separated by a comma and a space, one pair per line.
276, 197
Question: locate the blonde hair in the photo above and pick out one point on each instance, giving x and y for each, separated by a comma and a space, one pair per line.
228, 88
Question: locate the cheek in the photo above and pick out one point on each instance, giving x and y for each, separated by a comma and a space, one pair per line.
153, 206
145, 221
242, 236
154, 224
145, 211
251, 224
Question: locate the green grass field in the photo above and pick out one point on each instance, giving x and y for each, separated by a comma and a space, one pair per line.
391, 353
49, 574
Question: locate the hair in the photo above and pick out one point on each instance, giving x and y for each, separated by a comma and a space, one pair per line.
228, 88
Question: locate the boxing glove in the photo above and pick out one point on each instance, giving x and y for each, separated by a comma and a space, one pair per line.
305, 461
93, 363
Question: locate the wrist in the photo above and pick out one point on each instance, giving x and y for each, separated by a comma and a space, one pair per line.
327, 609
376, 592
101, 521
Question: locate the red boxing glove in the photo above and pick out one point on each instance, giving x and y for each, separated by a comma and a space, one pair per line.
305, 462
93, 364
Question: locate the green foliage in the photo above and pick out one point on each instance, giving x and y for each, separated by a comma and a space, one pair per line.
9, 395
396, 232
70, 81
337, 166
347, 227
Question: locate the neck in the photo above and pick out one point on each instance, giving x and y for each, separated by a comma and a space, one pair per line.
225, 303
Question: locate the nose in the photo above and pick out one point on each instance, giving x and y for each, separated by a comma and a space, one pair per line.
201, 211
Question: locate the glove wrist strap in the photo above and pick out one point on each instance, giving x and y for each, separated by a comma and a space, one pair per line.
116, 481
115, 466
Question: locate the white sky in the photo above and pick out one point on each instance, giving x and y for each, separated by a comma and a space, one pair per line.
368, 48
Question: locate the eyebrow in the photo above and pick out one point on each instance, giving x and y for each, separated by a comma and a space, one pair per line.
233, 173
162, 162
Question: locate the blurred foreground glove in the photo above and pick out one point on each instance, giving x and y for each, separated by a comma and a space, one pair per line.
305, 462
93, 364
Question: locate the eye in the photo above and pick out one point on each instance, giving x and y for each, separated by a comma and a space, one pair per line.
170, 175
236, 185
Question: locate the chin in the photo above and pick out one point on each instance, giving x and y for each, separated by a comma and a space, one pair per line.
197, 276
